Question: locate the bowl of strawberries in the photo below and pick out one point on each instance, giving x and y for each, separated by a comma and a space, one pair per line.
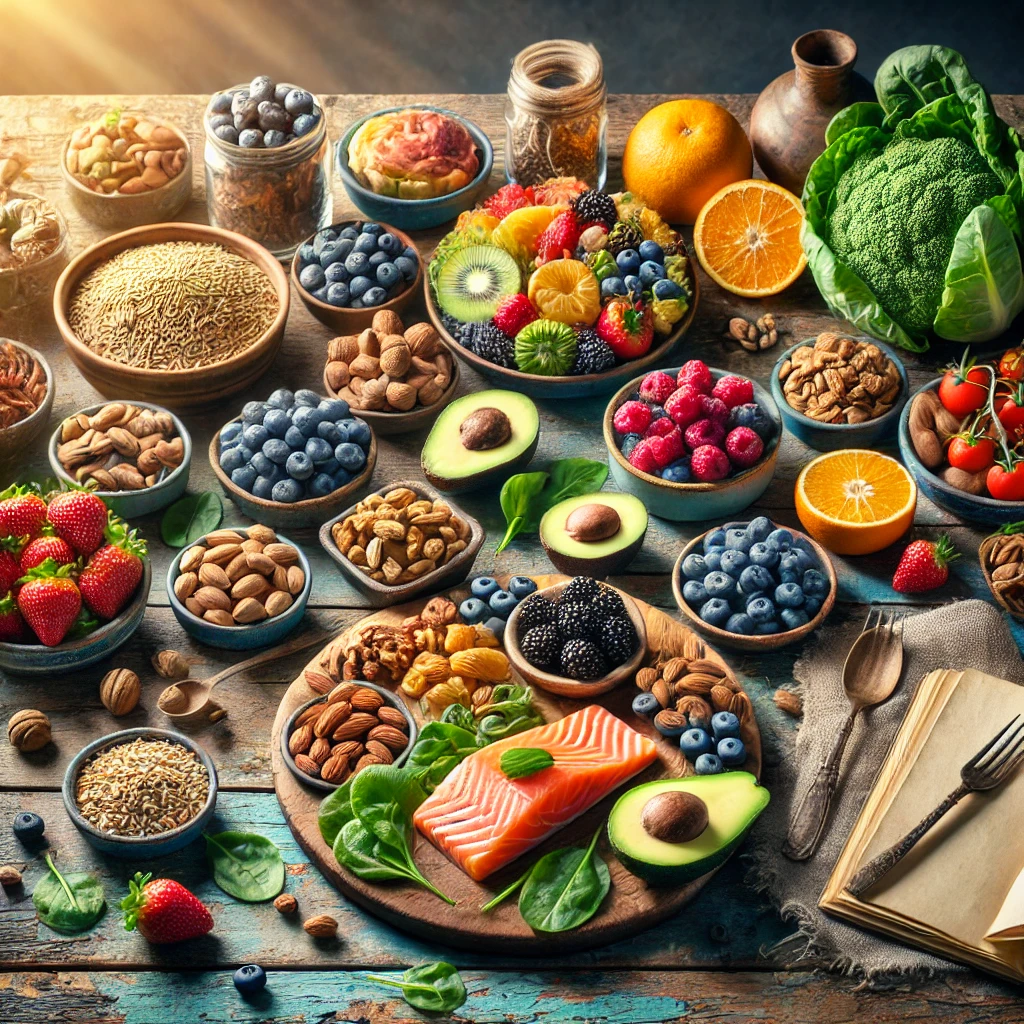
693, 442
74, 580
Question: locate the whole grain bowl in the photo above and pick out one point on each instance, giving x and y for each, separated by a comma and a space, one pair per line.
150, 279
141, 792
26, 399
34, 247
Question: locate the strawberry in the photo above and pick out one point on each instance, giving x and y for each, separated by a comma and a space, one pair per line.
627, 329
12, 625
10, 567
22, 512
49, 601
164, 910
508, 198
924, 565
80, 517
558, 239
39, 550
113, 573
514, 312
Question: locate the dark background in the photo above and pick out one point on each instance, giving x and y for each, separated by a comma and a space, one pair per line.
376, 46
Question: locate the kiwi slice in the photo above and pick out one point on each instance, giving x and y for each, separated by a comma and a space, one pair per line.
474, 280
546, 347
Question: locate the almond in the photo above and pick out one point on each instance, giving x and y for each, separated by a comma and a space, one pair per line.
185, 585
250, 585
261, 563
277, 602
279, 577
307, 765
194, 607
788, 701
300, 740
212, 540
192, 559
365, 761
212, 575
365, 699
222, 553
378, 750
720, 697
392, 738
706, 665
296, 579
248, 610
343, 691
212, 597
237, 567
699, 683
334, 769
356, 725
283, 554
392, 716
674, 669
661, 690
347, 748
219, 617
264, 534
250, 546
331, 717
646, 678
319, 682
323, 926
320, 750
309, 716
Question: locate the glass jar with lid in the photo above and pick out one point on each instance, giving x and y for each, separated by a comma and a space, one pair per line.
277, 196
556, 114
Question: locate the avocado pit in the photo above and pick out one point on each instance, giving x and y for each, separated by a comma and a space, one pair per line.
591, 523
484, 429
675, 816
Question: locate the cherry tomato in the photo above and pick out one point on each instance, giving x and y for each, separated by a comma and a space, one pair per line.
964, 390
1006, 485
1011, 366
1010, 411
971, 453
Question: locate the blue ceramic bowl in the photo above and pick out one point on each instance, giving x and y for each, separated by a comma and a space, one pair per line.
978, 509
38, 660
139, 847
415, 214
132, 504
694, 502
829, 437
251, 635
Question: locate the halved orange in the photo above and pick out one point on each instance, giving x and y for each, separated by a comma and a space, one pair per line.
519, 230
855, 501
567, 291
747, 238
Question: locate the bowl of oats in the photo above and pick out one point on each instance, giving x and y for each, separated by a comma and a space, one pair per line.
141, 792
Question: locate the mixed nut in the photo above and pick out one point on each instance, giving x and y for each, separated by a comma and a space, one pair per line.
1002, 558
22, 384
754, 336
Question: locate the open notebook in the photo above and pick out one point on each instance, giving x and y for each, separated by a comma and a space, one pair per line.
960, 891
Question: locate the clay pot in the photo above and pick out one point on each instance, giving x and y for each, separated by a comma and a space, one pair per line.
787, 124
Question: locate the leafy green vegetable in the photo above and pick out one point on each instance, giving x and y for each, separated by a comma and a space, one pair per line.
335, 812
68, 904
436, 987
190, 518
522, 762
245, 865
509, 712
856, 115
517, 495
438, 749
460, 715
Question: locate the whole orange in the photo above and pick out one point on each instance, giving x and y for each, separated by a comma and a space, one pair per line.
680, 153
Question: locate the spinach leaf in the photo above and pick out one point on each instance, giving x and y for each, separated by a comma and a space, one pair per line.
510, 711
517, 496
245, 865
522, 762
436, 987
460, 715
565, 888
568, 478
356, 848
69, 905
335, 812
439, 748
190, 518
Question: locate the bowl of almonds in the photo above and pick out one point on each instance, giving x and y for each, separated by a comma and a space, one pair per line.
239, 589
135, 455
333, 737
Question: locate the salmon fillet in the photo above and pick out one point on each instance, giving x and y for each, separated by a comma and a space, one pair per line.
482, 819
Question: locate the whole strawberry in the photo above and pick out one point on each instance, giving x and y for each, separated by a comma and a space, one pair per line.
10, 564
80, 518
22, 513
39, 550
12, 625
514, 312
113, 573
924, 565
163, 910
625, 328
558, 239
49, 601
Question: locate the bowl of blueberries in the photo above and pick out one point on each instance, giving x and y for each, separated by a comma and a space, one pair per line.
346, 272
295, 459
754, 586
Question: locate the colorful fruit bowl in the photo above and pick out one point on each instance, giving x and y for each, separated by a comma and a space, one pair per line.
561, 291
714, 453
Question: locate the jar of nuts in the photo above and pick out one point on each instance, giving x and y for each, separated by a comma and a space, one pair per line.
239, 588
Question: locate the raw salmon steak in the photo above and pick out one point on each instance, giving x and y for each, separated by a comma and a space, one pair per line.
482, 819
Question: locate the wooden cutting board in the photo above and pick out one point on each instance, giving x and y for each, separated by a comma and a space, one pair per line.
630, 907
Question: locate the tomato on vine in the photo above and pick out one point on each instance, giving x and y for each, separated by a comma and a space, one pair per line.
1010, 410
1011, 365
964, 388
971, 450
1005, 481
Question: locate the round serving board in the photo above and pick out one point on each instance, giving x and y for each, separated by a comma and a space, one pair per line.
630, 907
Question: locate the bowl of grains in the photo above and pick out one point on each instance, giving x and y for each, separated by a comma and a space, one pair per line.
141, 792
180, 314
26, 398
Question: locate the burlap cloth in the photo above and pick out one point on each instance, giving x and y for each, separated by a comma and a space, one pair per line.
965, 634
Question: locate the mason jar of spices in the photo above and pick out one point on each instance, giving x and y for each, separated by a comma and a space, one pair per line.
556, 114
276, 196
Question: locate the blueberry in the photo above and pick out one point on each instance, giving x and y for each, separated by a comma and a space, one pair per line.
230, 431
671, 731
716, 612
645, 704
372, 228
350, 456
333, 408
307, 254
732, 752
320, 294
330, 433
374, 296
789, 595
277, 422
628, 261
250, 979
794, 618
354, 303
350, 233
812, 605
760, 528
724, 723
768, 628
496, 626
815, 584
650, 272
714, 539
483, 587
780, 539
650, 250
254, 435
274, 138
708, 764
331, 255
408, 267
677, 473
277, 450
221, 121
740, 623
666, 289
338, 294
341, 477
261, 88
694, 567
389, 243
803, 544
227, 133
358, 431
261, 463
253, 412
694, 593
502, 603
282, 398
719, 584
357, 263
738, 540
612, 286
763, 555
337, 274
388, 275
244, 476
330, 467
294, 438
410, 253
323, 238
318, 450
733, 561
632, 283
378, 259
220, 103
695, 742
306, 397
713, 559
366, 243
629, 442
761, 609
306, 420
263, 487
801, 560
520, 586
298, 101
250, 138
231, 459
287, 491
304, 124
473, 610
753, 416
755, 578
28, 827
299, 466
357, 288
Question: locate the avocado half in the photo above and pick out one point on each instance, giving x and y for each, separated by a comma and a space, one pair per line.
480, 439
734, 800
576, 533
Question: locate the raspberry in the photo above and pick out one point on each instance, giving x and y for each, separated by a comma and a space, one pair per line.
697, 374
714, 409
709, 463
642, 456
684, 405
632, 418
660, 427
744, 447
514, 313
668, 448
508, 198
734, 391
705, 432
656, 387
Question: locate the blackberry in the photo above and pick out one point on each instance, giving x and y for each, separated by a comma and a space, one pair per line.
609, 605
576, 620
582, 660
592, 354
594, 205
540, 646
618, 640
452, 325
581, 588
490, 343
536, 611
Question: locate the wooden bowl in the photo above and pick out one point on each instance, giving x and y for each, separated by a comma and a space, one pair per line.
352, 321
380, 595
754, 643
582, 386
309, 512
1016, 609
562, 685
177, 389
16, 440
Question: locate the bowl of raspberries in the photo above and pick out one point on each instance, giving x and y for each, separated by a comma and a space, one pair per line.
754, 586
579, 638
693, 442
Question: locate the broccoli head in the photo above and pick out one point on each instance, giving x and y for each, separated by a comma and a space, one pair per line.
897, 212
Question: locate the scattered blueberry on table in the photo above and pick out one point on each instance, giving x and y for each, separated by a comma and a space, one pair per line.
250, 979
28, 827
491, 606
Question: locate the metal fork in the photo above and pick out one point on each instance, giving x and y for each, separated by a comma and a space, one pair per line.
990, 766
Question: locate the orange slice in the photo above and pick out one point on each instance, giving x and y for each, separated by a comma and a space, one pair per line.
747, 238
855, 501
567, 291
518, 232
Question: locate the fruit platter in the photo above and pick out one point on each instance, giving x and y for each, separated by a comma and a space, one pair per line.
559, 290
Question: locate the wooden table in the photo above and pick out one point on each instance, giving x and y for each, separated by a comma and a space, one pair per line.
714, 961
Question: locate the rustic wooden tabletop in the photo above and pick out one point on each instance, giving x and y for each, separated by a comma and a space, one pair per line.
719, 958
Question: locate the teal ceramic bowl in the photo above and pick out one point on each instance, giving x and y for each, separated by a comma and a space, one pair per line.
829, 437
694, 502
253, 634
415, 214
139, 847
974, 508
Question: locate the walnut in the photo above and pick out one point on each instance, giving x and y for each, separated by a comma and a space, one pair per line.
170, 664
286, 903
439, 611
120, 690
28, 730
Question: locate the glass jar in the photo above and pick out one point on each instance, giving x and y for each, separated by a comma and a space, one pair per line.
277, 197
556, 114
